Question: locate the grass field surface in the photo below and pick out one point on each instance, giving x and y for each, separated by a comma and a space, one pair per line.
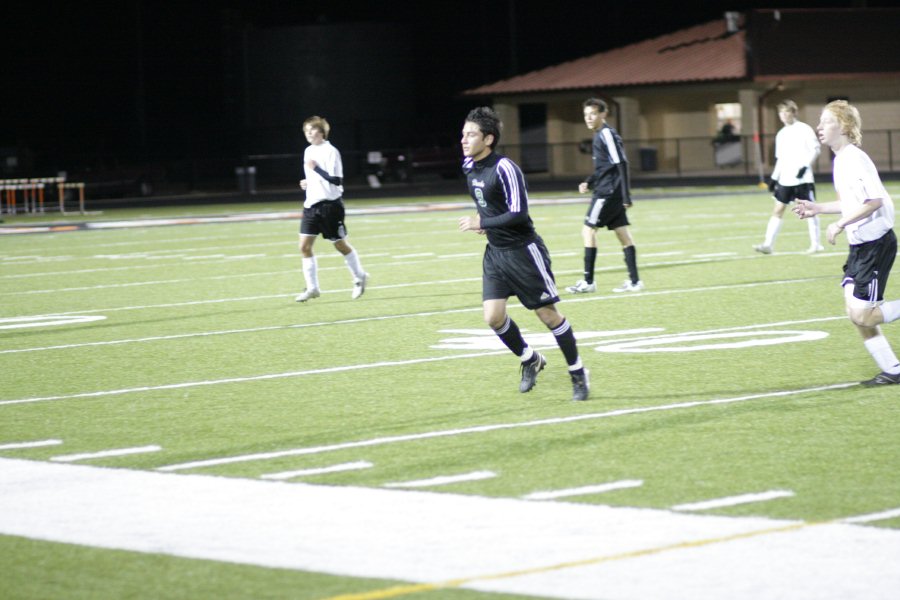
174, 425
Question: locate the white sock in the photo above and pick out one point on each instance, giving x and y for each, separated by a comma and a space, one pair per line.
311, 273
890, 311
884, 356
527, 354
772, 230
813, 231
354, 265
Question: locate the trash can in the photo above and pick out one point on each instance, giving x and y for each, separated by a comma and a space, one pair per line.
648, 159
246, 179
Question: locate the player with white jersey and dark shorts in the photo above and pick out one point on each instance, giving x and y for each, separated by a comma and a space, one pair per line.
867, 217
796, 148
516, 261
323, 209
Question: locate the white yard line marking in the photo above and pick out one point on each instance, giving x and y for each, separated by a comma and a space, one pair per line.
601, 488
105, 453
715, 255
879, 516
38, 444
190, 384
488, 428
734, 500
348, 367
339, 368
350, 466
365, 319
443, 480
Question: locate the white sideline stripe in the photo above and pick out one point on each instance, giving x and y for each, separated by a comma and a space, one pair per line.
105, 453
375, 365
443, 480
585, 490
735, 500
533, 549
38, 444
488, 428
350, 466
879, 516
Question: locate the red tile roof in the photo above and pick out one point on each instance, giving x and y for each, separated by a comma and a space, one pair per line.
701, 53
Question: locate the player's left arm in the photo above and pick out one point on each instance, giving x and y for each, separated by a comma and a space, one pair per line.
513, 183
617, 156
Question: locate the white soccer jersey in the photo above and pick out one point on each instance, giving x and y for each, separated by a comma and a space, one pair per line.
856, 180
317, 187
796, 146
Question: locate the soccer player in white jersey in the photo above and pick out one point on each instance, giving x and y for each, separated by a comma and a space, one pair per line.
867, 217
323, 209
796, 148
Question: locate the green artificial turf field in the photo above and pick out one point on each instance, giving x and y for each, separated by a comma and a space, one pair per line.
178, 350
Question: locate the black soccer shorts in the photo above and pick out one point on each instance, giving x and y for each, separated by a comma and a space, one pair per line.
325, 218
788, 193
606, 212
523, 272
869, 265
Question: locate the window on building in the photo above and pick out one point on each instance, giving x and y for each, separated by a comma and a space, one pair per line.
728, 120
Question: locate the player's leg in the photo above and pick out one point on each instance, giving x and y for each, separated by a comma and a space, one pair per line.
589, 239
864, 282
335, 230
310, 266
565, 339
809, 193
773, 227
633, 283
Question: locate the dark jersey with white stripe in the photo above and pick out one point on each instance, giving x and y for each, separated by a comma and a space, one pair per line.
498, 187
610, 175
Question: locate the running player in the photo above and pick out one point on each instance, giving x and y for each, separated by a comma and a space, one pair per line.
516, 262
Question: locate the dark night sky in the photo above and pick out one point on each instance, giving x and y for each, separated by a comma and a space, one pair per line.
73, 71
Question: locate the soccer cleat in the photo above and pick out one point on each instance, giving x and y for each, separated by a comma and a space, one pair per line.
882, 379
627, 286
814, 249
582, 287
530, 371
308, 295
581, 387
763, 249
359, 286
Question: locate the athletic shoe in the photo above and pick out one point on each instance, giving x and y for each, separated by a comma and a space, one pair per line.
627, 286
814, 249
763, 249
882, 379
359, 286
308, 295
581, 387
582, 287
530, 371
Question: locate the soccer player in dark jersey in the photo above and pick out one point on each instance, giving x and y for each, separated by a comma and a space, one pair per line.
516, 262
610, 197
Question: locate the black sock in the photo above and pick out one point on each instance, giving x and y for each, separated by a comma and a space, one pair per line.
631, 263
510, 335
590, 259
565, 337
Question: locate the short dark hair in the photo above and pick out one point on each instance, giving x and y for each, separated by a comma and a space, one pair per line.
596, 102
488, 122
